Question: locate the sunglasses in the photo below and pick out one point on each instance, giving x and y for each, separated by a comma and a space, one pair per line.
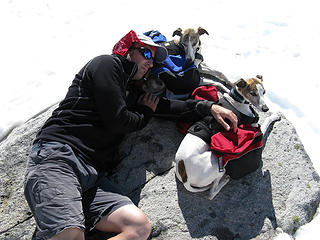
146, 53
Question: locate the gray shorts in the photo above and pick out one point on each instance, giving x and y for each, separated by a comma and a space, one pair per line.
64, 191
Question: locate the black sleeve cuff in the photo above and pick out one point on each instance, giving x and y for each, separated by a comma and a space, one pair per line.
203, 108
146, 111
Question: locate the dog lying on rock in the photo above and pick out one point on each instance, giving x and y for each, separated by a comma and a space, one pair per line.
179, 74
197, 167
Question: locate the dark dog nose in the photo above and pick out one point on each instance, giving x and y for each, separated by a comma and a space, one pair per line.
265, 108
189, 62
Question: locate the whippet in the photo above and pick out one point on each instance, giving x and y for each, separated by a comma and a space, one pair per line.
196, 166
190, 41
189, 46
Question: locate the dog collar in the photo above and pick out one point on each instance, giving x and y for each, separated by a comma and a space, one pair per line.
243, 117
236, 95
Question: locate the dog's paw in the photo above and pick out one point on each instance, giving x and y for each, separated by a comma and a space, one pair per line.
275, 116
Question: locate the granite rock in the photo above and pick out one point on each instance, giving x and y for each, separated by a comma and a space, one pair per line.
282, 195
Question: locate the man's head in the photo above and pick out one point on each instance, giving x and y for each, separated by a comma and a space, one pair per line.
161, 52
143, 56
141, 50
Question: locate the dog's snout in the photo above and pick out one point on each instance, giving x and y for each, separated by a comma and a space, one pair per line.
265, 108
189, 61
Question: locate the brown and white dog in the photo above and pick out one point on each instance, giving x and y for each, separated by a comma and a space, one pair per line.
196, 166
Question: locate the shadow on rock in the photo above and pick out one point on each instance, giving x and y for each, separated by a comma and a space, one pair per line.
239, 211
145, 155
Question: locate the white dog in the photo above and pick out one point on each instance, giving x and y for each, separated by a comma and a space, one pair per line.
196, 166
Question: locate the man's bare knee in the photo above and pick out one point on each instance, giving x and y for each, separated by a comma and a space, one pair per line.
129, 221
69, 234
137, 231
141, 229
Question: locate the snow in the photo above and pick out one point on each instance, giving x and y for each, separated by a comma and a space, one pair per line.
44, 43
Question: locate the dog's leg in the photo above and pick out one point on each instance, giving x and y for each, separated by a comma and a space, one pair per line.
218, 85
269, 121
205, 70
181, 172
197, 62
218, 184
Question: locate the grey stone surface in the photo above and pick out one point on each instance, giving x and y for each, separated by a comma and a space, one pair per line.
282, 195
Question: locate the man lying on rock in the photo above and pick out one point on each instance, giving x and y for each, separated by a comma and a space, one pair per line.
65, 184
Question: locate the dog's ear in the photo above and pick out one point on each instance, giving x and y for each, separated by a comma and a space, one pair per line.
260, 77
241, 83
178, 32
202, 31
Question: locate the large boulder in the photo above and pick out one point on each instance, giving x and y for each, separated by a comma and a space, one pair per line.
282, 195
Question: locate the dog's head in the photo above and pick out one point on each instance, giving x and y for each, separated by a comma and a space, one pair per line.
190, 41
153, 85
253, 91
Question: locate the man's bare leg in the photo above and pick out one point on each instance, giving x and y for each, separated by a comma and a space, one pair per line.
69, 234
128, 221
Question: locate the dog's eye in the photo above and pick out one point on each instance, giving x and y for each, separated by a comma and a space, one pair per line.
253, 94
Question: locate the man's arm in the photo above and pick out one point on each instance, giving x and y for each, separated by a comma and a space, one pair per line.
193, 110
109, 94
221, 114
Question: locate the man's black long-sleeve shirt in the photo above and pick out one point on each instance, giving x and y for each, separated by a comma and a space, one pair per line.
101, 107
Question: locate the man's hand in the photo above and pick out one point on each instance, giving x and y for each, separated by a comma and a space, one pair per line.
149, 100
220, 113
